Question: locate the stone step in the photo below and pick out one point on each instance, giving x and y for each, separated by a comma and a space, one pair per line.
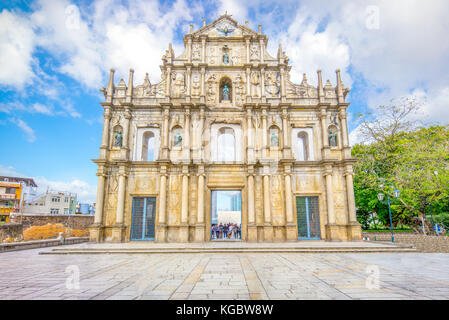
227, 250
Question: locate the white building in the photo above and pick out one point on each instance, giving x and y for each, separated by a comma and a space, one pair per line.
52, 202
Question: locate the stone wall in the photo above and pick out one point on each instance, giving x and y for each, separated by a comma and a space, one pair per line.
424, 243
10, 232
37, 227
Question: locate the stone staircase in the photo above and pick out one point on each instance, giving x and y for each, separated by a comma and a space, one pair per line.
233, 247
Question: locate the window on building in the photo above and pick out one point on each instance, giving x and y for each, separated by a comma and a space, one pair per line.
66, 199
226, 144
302, 144
10, 190
54, 211
55, 199
148, 146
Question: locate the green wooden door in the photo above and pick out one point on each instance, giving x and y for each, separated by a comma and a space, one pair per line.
308, 218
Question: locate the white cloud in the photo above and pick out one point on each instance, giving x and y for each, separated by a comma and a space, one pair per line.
16, 48
31, 137
85, 191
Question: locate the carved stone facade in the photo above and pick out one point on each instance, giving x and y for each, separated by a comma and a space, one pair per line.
169, 145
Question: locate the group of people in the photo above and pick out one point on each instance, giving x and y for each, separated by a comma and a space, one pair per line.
224, 231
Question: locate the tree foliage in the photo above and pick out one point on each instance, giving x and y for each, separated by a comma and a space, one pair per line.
398, 153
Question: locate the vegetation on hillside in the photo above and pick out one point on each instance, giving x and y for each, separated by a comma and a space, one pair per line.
399, 153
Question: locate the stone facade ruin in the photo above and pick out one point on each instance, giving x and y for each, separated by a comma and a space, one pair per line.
225, 116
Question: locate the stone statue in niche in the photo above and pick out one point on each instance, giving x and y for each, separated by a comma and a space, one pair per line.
274, 139
226, 93
255, 81
332, 139
178, 140
118, 139
225, 58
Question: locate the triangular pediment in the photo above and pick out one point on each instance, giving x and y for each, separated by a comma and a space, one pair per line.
224, 26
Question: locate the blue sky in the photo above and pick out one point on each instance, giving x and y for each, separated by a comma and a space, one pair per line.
55, 56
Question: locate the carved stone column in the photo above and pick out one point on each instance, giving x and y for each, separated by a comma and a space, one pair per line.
189, 48
282, 71
264, 132
184, 227
248, 84
166, 116
119, 227
262, 83
252, 228
287, 150
344, 131
96, 230
268, 226
200, 133
323, 118
354, 228
332, 229
125, 147
291, 230
161, 235
105, 137
200, 225
188, 87
203, 91
186, 140
250, 135
262, 51
168, 83
247, 49
203, 49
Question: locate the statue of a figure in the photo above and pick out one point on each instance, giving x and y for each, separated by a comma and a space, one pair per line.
226, 58
274, 139
332, 139
225, 93
118, 139
178, 140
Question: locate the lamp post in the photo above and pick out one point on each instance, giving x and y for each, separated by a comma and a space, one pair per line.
380, 196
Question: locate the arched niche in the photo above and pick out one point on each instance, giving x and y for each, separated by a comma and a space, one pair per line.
332, 136
302, 144
274, 136
176, 137
146, 144
225, 82
226, 142
117, 136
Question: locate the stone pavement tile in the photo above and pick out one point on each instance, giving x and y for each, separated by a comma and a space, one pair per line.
179, 296
153, 297
197, 297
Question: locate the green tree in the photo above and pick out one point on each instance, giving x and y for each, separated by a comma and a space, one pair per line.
398, 152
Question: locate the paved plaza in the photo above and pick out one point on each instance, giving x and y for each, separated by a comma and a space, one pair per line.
28, 275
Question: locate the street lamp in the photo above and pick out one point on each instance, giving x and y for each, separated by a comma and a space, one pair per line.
380, 196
